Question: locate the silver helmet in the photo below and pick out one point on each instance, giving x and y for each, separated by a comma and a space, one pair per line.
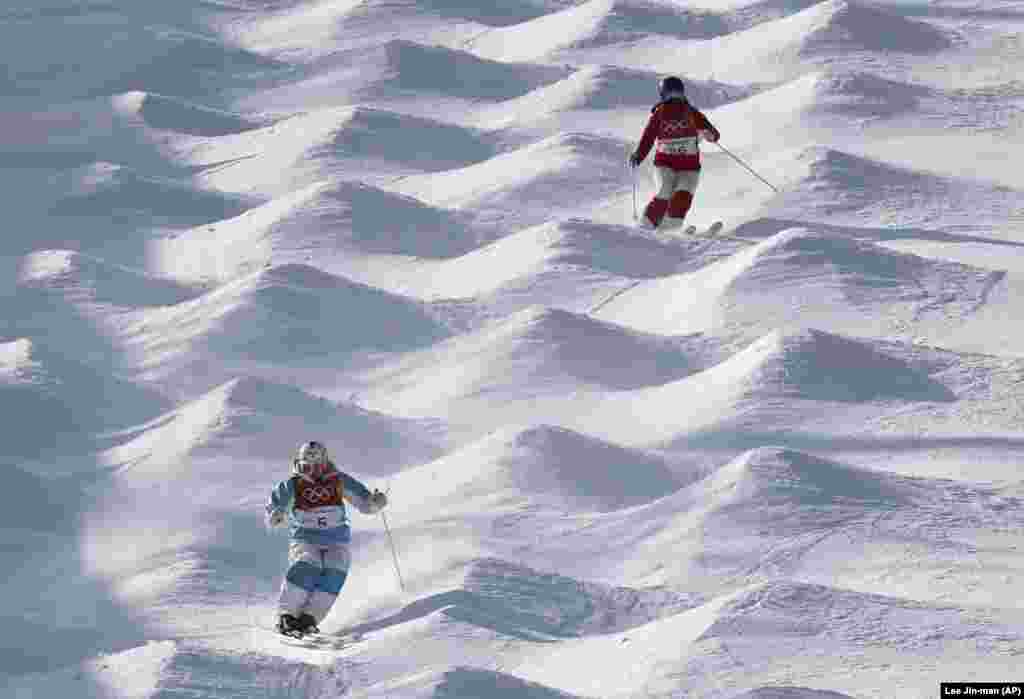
311, 461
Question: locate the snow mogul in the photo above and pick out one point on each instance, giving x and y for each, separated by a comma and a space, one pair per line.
675, 128
312, 504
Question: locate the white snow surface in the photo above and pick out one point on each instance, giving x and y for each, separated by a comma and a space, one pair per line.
780, 463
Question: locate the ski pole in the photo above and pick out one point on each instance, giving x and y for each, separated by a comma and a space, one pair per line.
749, 169
394, 554
629, 166
634, 193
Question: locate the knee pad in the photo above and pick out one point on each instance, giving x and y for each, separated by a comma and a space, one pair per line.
680, 204
655, 211
303, 575
332, 581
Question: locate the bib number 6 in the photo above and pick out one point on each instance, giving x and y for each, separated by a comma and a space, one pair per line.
322, 518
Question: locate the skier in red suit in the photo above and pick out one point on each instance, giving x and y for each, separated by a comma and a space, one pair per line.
674, 129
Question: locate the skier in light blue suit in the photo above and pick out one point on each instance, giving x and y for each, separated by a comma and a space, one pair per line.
312, 504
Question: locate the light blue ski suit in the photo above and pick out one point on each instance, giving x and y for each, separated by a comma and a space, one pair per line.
318, 555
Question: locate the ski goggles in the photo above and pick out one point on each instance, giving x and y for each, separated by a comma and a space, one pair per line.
313, 470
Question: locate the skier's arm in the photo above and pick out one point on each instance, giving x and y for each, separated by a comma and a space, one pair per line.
706, 129
647, 140
360, 497
281, 499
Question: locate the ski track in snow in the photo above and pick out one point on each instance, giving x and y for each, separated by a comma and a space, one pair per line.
778, 463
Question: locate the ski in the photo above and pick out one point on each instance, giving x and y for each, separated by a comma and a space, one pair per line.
315, 640
715, 231
293, 638
711, 230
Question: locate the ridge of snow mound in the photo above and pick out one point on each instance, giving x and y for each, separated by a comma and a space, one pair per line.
833, 32
517, 601
114, 191
188, 64
261, 667
846, 177
328, 220
775, 383
614, 249
16, 362
68, 299
522, 259
51, 400
277, 314
410, 66
775, 484
70, 51
537, 353
630, 662
565, 172
598, 88
865, 94
547, 464
424, 78
826, 98
765, 513
838, 187
596, 24
304, 149
766, 287
83, 278
810, 365
139, 130
427, 144
777, 511
172, 114
817, 365
562, 606
841, 25
614, 87
246, 416
128, 674
311, 31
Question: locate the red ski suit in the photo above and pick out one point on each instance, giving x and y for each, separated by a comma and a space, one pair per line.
676, 127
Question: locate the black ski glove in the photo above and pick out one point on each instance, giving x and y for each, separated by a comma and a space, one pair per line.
378, 500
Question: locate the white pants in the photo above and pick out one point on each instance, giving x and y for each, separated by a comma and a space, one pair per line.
316, 573
673, 181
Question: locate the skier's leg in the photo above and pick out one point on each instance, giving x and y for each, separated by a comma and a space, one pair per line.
335, 561
300, 580
657, 207
682, 196
678, 207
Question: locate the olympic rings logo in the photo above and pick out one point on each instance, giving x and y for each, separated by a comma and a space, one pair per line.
318, 493
670, 126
